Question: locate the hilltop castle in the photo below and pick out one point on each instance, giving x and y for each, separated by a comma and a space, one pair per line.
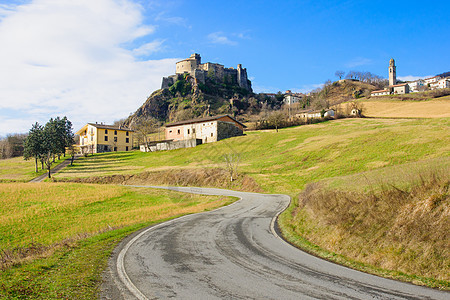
194, 67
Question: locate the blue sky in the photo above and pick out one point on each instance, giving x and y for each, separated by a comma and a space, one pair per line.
99, 60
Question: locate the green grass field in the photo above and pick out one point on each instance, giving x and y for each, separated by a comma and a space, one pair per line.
352, 154
284, 162
56, 237
19, 170
344, 154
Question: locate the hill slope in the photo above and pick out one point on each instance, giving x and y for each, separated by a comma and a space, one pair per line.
285, 162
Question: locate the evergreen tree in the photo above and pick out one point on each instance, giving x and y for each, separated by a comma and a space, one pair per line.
33, 144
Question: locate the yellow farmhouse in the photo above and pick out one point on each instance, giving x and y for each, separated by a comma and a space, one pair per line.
97, 138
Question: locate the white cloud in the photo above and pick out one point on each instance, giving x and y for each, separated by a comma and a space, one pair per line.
67, 57
179, 21
358, 61
220, 38
148, 48
412, 77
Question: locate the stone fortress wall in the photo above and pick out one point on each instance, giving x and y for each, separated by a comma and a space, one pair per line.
194, 67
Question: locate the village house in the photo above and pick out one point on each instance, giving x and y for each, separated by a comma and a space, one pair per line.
292, 98
309, 114
207, 129
380, 92
432, 79
443, 83
417, 85
98, 138
393, 88
400, 89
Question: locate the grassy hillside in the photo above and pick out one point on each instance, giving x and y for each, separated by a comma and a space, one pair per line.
391, 221
56, 237
345, 153
284, 162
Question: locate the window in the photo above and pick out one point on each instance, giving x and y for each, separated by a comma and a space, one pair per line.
211, 134
115, 132
105, 148
106, 131
115, 148
127, 140
127, 133
189, 132
106, 138
193, 130
178, 131
170, 131
126, 148
92, 138
115, 139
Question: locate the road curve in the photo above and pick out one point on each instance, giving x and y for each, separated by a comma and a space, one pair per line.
234, 253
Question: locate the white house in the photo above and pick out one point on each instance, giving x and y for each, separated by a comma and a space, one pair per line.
380, 92
416, 86
329, 113
291, 99
444, 83
432, 79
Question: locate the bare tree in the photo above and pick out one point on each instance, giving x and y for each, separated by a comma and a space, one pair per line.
232, 161
143, 128
276, 119
339, 74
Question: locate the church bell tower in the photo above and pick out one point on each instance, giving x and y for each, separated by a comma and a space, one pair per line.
392, 72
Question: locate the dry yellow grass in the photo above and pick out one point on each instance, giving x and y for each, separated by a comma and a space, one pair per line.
403, 227
407, 109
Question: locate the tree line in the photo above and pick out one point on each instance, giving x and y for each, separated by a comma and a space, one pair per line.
45, 143
12, 145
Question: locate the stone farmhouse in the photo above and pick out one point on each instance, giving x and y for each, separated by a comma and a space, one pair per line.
98, 138
206, 130
194, 67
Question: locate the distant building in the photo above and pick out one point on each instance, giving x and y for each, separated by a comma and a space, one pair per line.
208, 129
317, 114
393, 88
417, 85
400, 89
98, 138
194, 67
444, 83
292, 98
392, 72
380, 93
432, 79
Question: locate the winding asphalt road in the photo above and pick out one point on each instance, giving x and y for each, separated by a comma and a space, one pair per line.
235, 253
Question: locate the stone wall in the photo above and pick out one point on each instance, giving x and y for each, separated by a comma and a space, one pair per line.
226, 130
170, 145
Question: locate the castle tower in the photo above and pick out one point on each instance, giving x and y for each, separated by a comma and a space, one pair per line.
392, 72
197, 58
242, 77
